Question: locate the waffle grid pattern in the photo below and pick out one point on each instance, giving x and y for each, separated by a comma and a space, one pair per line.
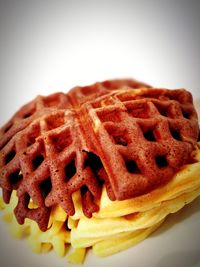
131, 140
144, 140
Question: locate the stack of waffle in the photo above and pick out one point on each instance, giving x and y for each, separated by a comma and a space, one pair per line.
101, 166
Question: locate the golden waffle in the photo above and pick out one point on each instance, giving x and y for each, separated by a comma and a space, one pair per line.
131, 140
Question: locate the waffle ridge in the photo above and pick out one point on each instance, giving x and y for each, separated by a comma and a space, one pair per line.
122, 133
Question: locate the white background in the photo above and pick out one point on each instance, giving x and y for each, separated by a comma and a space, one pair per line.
48, 46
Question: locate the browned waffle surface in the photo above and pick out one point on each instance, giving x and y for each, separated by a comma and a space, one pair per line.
133, 140
82, 94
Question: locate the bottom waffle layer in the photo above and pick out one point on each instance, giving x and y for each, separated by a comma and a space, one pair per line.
117, 226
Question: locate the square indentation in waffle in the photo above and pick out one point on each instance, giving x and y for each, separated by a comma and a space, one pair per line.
138, 109
62, 140
119, 135
57, 100
55, 121
109, 115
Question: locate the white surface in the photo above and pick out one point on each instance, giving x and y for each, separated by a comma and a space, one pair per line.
48, 46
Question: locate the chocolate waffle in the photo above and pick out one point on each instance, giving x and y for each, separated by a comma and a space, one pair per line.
132, 140
80, 95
